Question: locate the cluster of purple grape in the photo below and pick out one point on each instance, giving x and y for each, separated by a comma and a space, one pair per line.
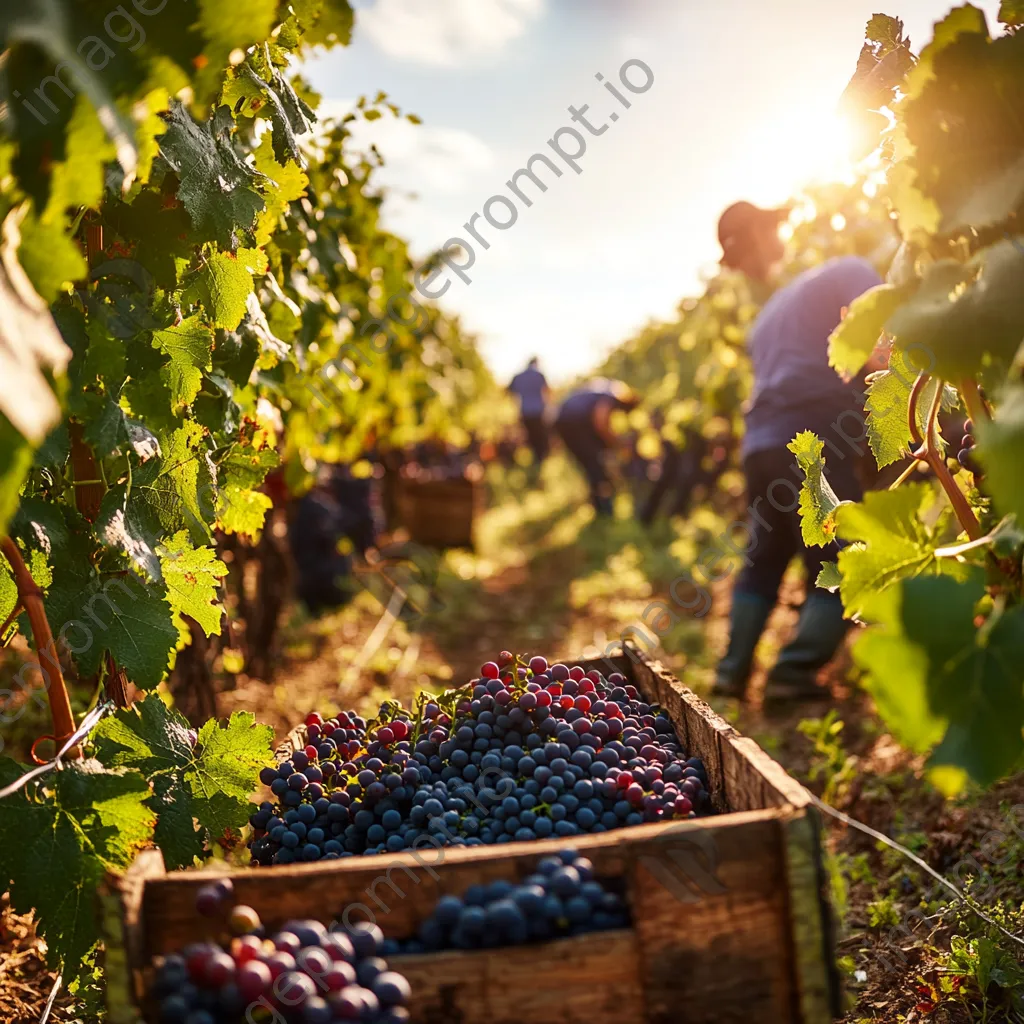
532, 752
965, 456
560, 898
304, 974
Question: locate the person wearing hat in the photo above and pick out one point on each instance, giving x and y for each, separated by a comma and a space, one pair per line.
794, 390
584, 423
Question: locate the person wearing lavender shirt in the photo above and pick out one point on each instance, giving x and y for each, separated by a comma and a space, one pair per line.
795, 389
531, 388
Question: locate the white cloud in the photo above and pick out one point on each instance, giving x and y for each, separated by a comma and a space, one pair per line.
446, 32
418, 157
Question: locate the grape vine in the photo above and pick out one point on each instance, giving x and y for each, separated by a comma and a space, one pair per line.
185, 252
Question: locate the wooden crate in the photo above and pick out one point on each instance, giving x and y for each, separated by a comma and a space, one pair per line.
730, 919
439, 513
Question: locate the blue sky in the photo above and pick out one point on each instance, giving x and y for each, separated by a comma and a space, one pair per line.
742, 106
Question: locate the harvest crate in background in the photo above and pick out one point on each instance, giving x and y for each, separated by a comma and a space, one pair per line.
439, 513
730, 919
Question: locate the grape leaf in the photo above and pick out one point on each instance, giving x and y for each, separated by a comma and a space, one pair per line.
325, 22
126, 526
1000, 442
188, 344
984, 183
888, 404
138, 631
216, 186
852, 342
106, 425
889, 540
15, 463
227, 27
96, 820
51, 259
183, 493
966, 314
232, 755
192, 576
224, 284
242, 507
818, 502
77, 180
210, 783
291, 182
288, 114
937, 676
829, 578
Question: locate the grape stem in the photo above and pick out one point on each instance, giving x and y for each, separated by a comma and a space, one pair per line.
31, 597
977, 410
932, 454
915, 398
929, 451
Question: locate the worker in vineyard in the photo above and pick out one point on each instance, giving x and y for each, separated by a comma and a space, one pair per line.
584, 424
531, 388
794, 390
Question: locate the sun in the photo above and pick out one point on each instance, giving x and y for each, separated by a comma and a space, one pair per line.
806, 144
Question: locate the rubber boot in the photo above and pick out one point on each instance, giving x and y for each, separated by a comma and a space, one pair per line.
819, 634
747, 619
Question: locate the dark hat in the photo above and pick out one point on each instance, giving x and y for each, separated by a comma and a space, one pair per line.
741, 220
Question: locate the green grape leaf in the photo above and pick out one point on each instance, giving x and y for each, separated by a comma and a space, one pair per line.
829, 578
1011, 12
291, 182
51, 259
231, 756
818, 502
192, 576
888, 405
138, 631
225, 283
208, 784
853, 341
95, 821
107, 426
15, 462
183, 494
889, 539
216, 185
227, 27
180, 842
1000, 442
288, 114
149, 737
188, 344
243, 507
127, 527
897, 675
325, 22
965, 315
77, 180
940, 679
983, 184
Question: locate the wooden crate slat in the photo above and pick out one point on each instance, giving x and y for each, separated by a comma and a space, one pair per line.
583, 980
811, 920
400, 891
706, 911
